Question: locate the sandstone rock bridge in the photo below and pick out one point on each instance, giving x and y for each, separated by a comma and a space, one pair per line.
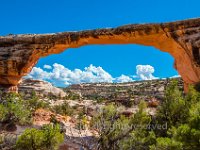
181, 39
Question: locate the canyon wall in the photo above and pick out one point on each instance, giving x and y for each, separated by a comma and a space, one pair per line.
181, 39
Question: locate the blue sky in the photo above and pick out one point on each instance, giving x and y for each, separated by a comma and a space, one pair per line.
47, 16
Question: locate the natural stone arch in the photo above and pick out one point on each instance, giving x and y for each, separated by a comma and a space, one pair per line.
19, 53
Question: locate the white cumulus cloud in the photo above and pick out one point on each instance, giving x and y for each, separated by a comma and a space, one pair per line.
47, 67
145, 72
175, 76
123, 78
59, 75
38, 73
62, 76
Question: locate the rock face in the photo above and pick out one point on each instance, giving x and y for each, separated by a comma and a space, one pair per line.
19, 53
42, 88
122, 92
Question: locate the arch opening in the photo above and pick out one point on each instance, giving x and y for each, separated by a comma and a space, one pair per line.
124, 63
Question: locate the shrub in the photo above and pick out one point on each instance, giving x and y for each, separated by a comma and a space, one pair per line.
185, 133
47, 138
82, 122
52, 136
129, 103
35, 103
31, 139
63, 109
173, 111
181, 114
166, 144
100, 99
14, 110
189, 133
72, 96
119, 132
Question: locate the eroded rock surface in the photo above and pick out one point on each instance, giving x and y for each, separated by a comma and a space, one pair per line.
41, 88
137, 90
19, 53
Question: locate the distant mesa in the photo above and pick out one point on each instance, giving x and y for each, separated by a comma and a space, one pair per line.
181, 39
41, 88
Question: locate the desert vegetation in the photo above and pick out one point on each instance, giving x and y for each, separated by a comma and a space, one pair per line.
174, 126
15, 110
46, 138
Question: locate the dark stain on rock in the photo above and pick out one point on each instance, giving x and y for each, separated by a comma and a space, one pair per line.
196, 54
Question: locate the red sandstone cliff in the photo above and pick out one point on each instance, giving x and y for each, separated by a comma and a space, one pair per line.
19, 53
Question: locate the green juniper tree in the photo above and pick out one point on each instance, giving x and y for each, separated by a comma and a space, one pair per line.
47, 138
118, 132
185, 133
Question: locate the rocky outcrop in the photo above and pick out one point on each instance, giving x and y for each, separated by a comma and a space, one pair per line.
19, 53
42, 88
124, 92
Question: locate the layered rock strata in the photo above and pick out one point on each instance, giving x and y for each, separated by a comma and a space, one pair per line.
181, 39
